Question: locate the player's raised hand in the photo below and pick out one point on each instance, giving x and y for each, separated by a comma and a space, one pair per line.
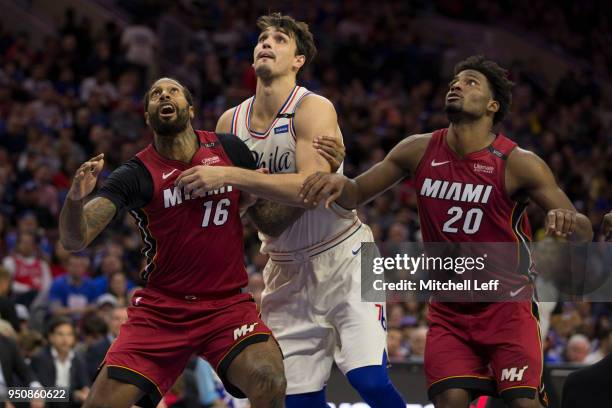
322, 186
331, 149
560, 222
86, 177
607, 226
199, 179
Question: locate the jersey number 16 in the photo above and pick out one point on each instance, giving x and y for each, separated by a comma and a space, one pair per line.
220, 212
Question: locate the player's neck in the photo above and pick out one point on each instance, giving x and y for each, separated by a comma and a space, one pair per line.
468, 137
271, 95
181, 147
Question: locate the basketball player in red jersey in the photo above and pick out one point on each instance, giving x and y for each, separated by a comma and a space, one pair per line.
192, 302
474, 185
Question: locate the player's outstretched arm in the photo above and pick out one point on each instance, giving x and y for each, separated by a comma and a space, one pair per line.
315, 117
79, 224
401, 162
528, 173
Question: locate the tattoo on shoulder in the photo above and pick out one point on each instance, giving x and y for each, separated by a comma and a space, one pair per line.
273, 218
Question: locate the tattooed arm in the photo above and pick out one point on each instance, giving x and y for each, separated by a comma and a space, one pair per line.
273, 218
79, 224
129, 186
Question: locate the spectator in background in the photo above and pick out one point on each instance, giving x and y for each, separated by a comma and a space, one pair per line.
106, 304
14, 366
30, 343
95, 354
110, 265
7, 330
189, 75
8, 311
100, 84
395, 313
23, 315
119, 288
72, 294
59, 365
47, 194
395, 348
205, 382
28, 223
93, 328
31, 274
577, 350
59, 260
417, 344
126, 121
603, 348
140, 45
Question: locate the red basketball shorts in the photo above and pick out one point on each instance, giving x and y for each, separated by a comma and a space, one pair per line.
163, 332
487, 349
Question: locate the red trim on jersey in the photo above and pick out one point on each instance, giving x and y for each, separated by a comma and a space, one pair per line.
259, 135
234, 125
295, 92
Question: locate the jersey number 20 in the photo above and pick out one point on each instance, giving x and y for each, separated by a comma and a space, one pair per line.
471, 222
220, 212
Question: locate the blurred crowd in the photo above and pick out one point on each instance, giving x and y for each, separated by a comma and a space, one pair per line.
80, 94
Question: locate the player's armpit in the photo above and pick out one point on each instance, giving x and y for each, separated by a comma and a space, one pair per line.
529, 174
273, 218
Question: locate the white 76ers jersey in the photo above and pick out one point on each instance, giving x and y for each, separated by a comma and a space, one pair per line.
275, 150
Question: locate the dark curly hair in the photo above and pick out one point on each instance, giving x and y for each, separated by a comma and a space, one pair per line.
497, 77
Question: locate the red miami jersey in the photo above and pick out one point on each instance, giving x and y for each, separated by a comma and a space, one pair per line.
465, 200
193, 245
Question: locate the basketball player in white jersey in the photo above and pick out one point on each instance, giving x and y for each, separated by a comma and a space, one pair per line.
312, 290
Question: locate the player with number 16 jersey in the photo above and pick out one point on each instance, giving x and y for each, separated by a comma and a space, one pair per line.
193, 301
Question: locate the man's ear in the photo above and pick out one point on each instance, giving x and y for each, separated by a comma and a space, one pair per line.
191, 112
147, 118
299, 62
493, 106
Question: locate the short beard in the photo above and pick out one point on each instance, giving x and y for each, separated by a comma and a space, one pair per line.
263, 72
456, 114
170, 128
